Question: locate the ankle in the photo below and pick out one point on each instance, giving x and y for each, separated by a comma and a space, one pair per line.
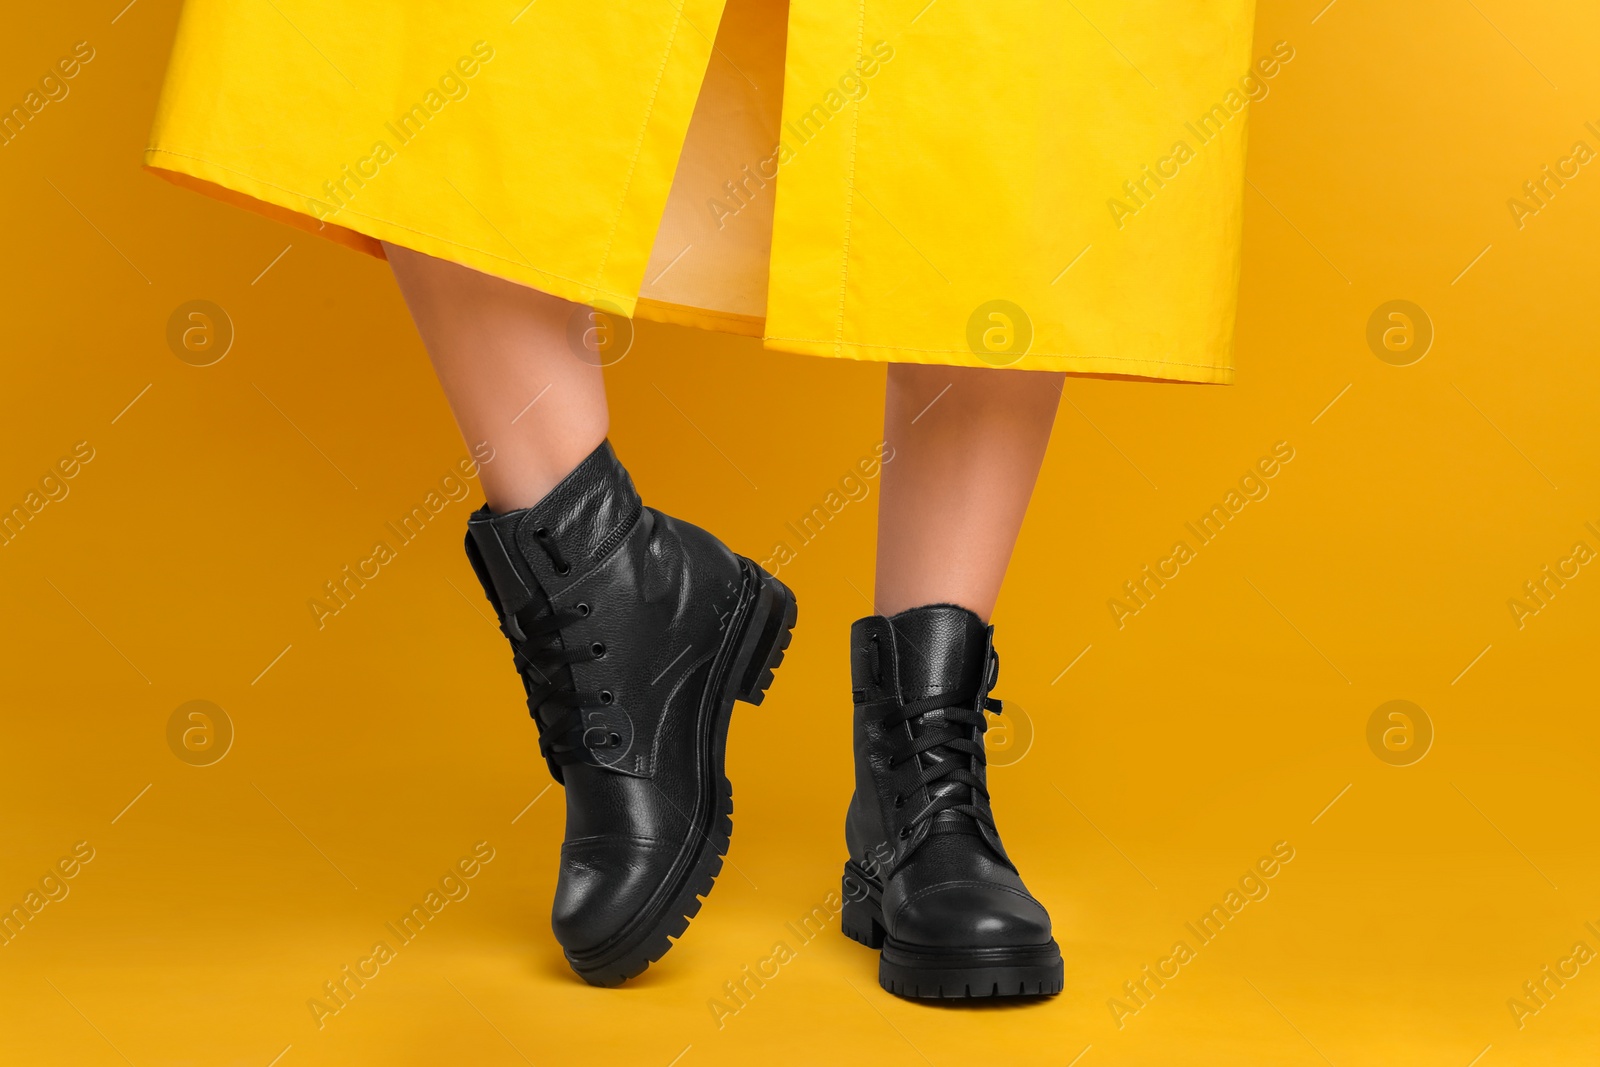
519, 478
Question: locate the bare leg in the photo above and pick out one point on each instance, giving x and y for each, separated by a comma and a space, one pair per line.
497, 347
954, 494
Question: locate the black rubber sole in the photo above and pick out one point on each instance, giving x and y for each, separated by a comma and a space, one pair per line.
759, 632
920, 973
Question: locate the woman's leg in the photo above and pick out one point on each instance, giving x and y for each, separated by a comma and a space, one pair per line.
936, 892
502, 354
615, 612
967, 445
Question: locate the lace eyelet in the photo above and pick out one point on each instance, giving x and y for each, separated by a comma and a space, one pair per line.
562, 566
899, 801
615, 740
598, 649
583, 610
905, 832
605, 696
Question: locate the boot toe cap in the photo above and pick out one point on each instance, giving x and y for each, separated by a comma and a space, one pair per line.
970, 914
604, 883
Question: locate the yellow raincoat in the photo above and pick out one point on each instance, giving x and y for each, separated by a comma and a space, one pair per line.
1040, 184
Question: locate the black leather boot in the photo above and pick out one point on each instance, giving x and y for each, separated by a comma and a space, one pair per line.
928, 881
634, 633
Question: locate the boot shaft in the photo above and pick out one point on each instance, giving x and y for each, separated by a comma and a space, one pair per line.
610, 607
531, 553
930, 650
941, 655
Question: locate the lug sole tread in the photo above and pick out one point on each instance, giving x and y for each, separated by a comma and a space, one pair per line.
1046, 987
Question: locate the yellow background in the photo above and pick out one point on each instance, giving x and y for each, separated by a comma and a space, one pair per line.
1224, 717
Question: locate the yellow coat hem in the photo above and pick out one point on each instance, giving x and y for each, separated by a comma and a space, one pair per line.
364, 232
699, 318
1066, 362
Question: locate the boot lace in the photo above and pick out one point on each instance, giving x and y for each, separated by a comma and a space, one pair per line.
542, 659
945, 750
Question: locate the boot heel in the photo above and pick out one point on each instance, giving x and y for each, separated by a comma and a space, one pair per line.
862, 917
767, 636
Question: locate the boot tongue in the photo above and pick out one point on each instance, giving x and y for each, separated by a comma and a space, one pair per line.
584, 516
941, 649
